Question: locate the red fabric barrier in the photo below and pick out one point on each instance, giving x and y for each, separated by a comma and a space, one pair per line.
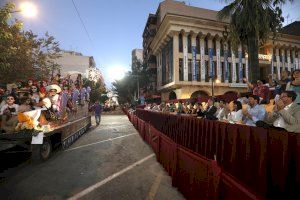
167, 155
266, 161
154, 140
195, 176
231, 189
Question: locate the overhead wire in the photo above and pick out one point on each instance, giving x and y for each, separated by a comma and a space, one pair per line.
82, 23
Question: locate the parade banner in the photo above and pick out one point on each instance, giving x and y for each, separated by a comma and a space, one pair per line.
194, 68
219, 73
211, 67
202, 64
240, 67
233, 67
226, 66
185, 63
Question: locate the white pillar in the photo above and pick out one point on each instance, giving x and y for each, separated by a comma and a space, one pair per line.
175, 56
283, 59
233, 65
297, 60
272, 61
194, 57
219, 71
185, 58
293, 56
278, 63
202, 59
289, 60
159, 75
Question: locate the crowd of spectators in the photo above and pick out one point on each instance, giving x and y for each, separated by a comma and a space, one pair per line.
54, 99
257, 108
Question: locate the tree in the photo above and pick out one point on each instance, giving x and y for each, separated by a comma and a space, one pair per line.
252, 22
23, 54
125, 88
98, 90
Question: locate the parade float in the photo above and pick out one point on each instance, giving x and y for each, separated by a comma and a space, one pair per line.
40, 116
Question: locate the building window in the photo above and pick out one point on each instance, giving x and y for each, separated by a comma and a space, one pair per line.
292, 58
229, 49
285, 55
230, 72
243, 51
198, 45
206, 45
222, 72
215, 47
280, 55
206, 71
237, 72
189, 43
167, 63
221, 48
190, 70
180, 69
180, 43
198, 65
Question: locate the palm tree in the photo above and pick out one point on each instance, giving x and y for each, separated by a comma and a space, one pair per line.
252, 23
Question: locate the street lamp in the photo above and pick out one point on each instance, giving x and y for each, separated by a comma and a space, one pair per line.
213, 80
28, 9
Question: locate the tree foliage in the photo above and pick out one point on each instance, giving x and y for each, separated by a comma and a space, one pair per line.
127, 88
98, 90
252, 22
23, 54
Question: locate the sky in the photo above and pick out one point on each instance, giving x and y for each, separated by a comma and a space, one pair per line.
114, 27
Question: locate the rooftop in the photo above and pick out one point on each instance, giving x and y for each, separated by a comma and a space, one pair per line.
292, 29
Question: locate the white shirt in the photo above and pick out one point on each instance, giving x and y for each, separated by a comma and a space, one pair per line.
235, 116
15, 106
279, 122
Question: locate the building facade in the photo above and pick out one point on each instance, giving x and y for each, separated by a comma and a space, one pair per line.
74, 62
136, 59
190, 47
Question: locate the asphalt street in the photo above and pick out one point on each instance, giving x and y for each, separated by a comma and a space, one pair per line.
110, 161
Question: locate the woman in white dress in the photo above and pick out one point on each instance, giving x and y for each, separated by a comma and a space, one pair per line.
236, 115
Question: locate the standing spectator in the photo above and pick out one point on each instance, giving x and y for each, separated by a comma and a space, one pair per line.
294, 85
260, 90
97, 107
255, 112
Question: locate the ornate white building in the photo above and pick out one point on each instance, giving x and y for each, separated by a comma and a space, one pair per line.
189, 46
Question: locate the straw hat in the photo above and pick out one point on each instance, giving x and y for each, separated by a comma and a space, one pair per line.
53, 87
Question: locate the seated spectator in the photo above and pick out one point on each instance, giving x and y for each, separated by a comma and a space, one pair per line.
286, 113
180, 108
209, 112
294, 85
222, 110
236, 115
254, 113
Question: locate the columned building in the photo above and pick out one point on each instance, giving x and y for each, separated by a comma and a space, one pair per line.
191, 47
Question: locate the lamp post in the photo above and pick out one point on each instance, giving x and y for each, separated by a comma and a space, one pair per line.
213, 80
28, 9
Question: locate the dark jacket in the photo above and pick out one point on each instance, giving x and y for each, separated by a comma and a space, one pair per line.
209, 113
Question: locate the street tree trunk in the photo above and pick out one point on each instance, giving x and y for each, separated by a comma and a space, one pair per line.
254, 71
